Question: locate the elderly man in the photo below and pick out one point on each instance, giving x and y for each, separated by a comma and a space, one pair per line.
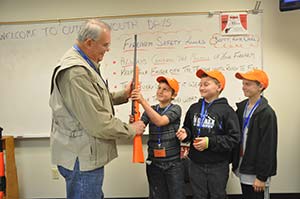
84, 127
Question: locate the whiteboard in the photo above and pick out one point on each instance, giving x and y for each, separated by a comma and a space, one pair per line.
174, 45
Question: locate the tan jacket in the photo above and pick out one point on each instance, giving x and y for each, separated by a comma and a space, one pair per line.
83, 121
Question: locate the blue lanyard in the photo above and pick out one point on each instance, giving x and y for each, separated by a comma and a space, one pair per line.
83, 55
85, 58
158, 128
203, 115
246, 119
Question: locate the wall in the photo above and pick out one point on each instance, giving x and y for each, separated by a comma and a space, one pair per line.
281, 46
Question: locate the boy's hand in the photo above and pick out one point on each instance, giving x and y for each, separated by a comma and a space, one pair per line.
136, 95
200, 143
181, 134
258, 186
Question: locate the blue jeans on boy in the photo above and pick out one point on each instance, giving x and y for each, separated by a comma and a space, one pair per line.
83, 184
209, 180
166, 180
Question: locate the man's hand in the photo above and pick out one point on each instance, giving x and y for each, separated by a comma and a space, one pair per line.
259, 186
131, 119
139, 127
128, 89
181, 134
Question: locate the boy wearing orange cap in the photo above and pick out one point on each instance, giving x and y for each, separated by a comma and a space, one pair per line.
164, 168
255, 160
212, 127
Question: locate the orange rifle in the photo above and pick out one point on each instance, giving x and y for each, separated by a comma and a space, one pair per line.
138, 154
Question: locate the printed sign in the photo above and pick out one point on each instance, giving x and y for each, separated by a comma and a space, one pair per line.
234, 23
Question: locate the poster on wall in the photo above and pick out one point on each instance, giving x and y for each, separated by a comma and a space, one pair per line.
234, 23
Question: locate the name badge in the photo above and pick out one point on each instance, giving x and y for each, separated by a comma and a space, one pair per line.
159, 153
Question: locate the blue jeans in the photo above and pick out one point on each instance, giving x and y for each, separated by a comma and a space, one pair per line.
83, 184
209, 180
166, 180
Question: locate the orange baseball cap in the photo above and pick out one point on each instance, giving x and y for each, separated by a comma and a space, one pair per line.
255, 75
171, 81
214, 74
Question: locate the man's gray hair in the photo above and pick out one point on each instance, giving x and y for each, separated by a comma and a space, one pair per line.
92, 29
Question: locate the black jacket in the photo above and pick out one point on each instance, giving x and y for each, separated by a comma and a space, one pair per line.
260, 157
222, 130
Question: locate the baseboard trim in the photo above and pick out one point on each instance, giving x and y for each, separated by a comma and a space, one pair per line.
272, 196
238, 196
